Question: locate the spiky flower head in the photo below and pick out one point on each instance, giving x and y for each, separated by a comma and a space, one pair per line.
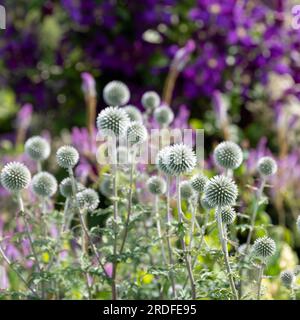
112, 121
181, 159
136, 133
116, 93
15, 176
37, 148
162, 160
198, 182
298, 223
67, 157
267, 166
221, 191
264, 247
205, 204
88, 199
133, 113
150, 100
186, 190
44, 184
228, 155
65, 187
287, 278
156, 185
228, 215
106, 187
163, 115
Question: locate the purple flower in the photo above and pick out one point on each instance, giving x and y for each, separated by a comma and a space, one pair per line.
88, 85
24, 116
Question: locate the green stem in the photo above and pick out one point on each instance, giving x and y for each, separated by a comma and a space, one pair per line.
260, 276
158, 227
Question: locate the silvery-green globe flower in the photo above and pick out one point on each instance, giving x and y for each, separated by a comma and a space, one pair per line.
116, 93
106, 187
37, 148
205, 204
136, 133
133, 113
287, 278
298, 223
163, 115
228, 215
221, 191
112, 121
65, 187
44, 184
228, 155
123, 155
156, 185
88, 199
15, 176
150, 100
264, 247
198, 182
186, 190
67, 157
181, 159
267, 166
162, 160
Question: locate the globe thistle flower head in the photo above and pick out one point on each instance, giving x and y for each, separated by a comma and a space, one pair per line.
186, 190
150, 100
106, 187
298, 223
65, 187
163, 115
134, 114
67, 157
205, 204
228, 215
136, 133
181, 159
88, 199
116, 93
37, 148
221, 191
156, 185
198, 182
112, 121
162, 160
267, 166
287, 278
228, 155
15, 176
44, 184
264, 247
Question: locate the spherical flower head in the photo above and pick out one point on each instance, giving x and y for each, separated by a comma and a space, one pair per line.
106, 187
150, 100
267, 166
205, 204
15, 176
287, 278
133, 113
298, 223
37, 148
181, 159
116, 93
156, 185
67, 157
88, 199
136, 133
44, 184
228, 155
221, 191
112, 121
162, 160
65, 187
198, 182
163, 115
186, 190
228, 215
264, 247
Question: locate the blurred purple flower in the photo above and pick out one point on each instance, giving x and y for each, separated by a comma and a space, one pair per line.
88, 85
24, 116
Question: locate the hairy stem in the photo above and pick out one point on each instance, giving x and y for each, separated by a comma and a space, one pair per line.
158, 227
259, 280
